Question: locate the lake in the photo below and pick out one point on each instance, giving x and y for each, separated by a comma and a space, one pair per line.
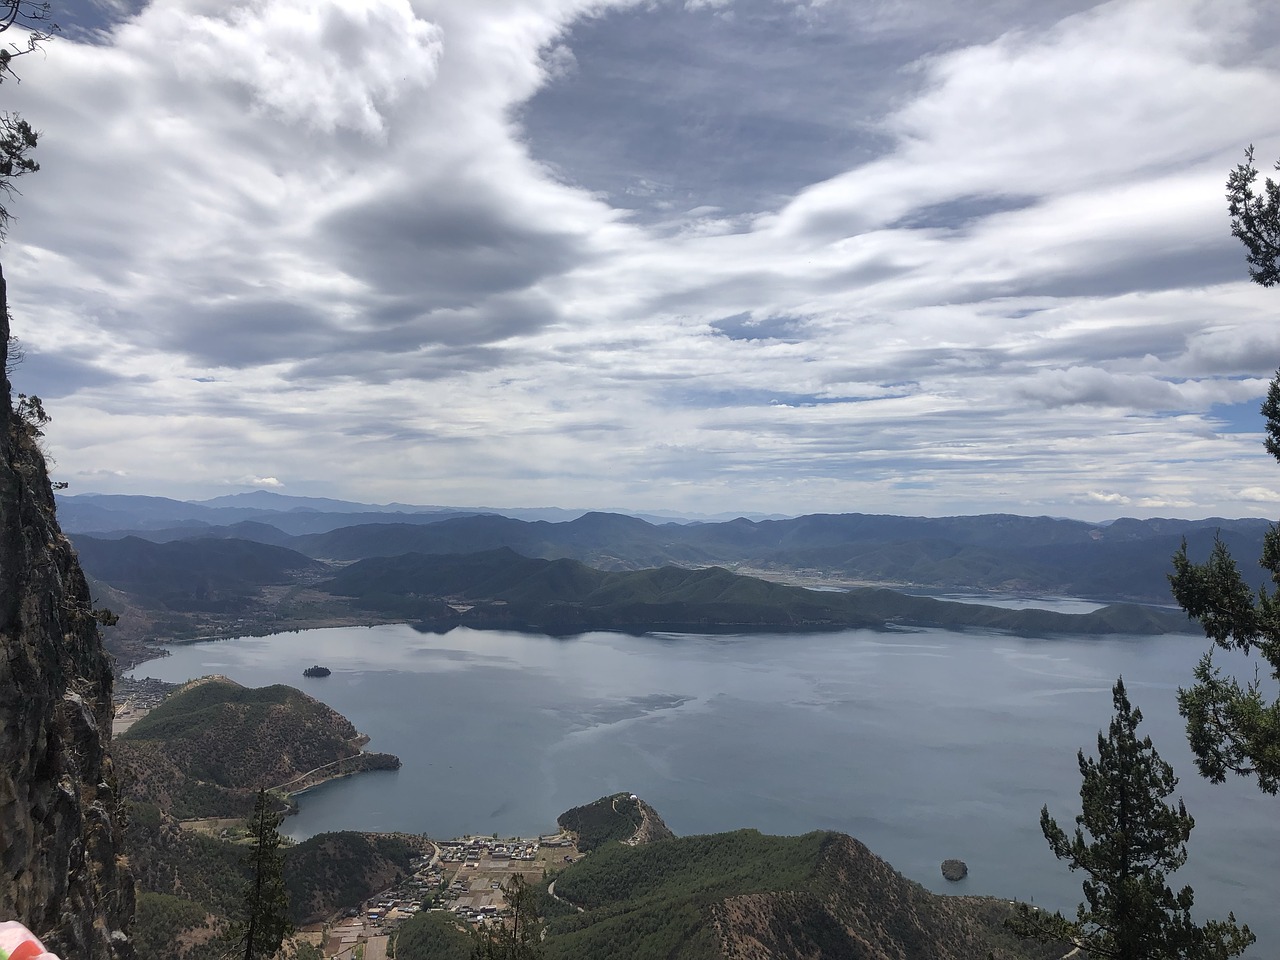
924, 745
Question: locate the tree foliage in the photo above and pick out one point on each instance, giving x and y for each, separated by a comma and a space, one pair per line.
1232, 727
265, 922
1127, 840
433, 935
1255, 220
518, 936
17, 137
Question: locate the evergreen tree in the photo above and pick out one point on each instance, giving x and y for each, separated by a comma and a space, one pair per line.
519, 936
1233, 728
1126, 840
266, 905
17, 138
1255, 220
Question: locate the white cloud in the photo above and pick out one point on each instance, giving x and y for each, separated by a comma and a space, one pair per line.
1112, 499
334, 212
1259, 495
322, 64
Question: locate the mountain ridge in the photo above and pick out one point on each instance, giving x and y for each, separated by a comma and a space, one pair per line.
501, 588
1127, 559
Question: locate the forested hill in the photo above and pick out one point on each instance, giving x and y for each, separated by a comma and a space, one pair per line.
744, 894
500, 588
1125, 560
204, 574
208, 748
621, 816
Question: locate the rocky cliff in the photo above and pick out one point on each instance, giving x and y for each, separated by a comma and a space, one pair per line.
61, 871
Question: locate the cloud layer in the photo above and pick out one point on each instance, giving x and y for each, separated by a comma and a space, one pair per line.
653, 255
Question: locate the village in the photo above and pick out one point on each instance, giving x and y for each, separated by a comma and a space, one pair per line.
464, 877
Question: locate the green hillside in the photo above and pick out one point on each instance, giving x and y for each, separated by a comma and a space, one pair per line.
209, 575
434, 935
191, 884
501, 588
621, 816
332, 871
207, 748
822, 895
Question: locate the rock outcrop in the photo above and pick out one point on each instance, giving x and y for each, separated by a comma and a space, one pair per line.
954, 870
61, 871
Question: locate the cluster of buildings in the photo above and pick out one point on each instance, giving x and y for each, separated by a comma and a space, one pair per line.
472, 849
382, 915
394, 906
465, 877
135, 698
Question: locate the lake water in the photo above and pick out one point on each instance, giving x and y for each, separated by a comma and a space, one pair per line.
924, 745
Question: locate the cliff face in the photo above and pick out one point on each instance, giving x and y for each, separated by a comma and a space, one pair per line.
61, 871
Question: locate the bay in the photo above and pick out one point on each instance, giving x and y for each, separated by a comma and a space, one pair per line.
924, 745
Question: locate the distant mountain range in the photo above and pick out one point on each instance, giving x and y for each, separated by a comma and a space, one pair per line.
1125, 560
119, 513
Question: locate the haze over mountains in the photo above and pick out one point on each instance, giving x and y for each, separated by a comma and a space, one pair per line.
297, 515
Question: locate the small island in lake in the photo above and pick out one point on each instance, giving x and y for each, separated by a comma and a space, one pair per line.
316, 671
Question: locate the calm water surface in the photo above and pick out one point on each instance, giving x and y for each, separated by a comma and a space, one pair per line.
924, 745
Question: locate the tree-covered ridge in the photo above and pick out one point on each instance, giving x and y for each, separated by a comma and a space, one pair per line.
331, 871
747, 894
502, 588
207, 748
191, 575
622, 816
1117, 618
191, 884
433, 935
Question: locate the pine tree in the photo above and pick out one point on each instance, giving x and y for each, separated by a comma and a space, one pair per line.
17, 138
266, 905
1233, 728
519, 937
1255, 220
1126, 840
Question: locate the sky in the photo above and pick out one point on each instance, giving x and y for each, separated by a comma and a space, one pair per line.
781, 256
